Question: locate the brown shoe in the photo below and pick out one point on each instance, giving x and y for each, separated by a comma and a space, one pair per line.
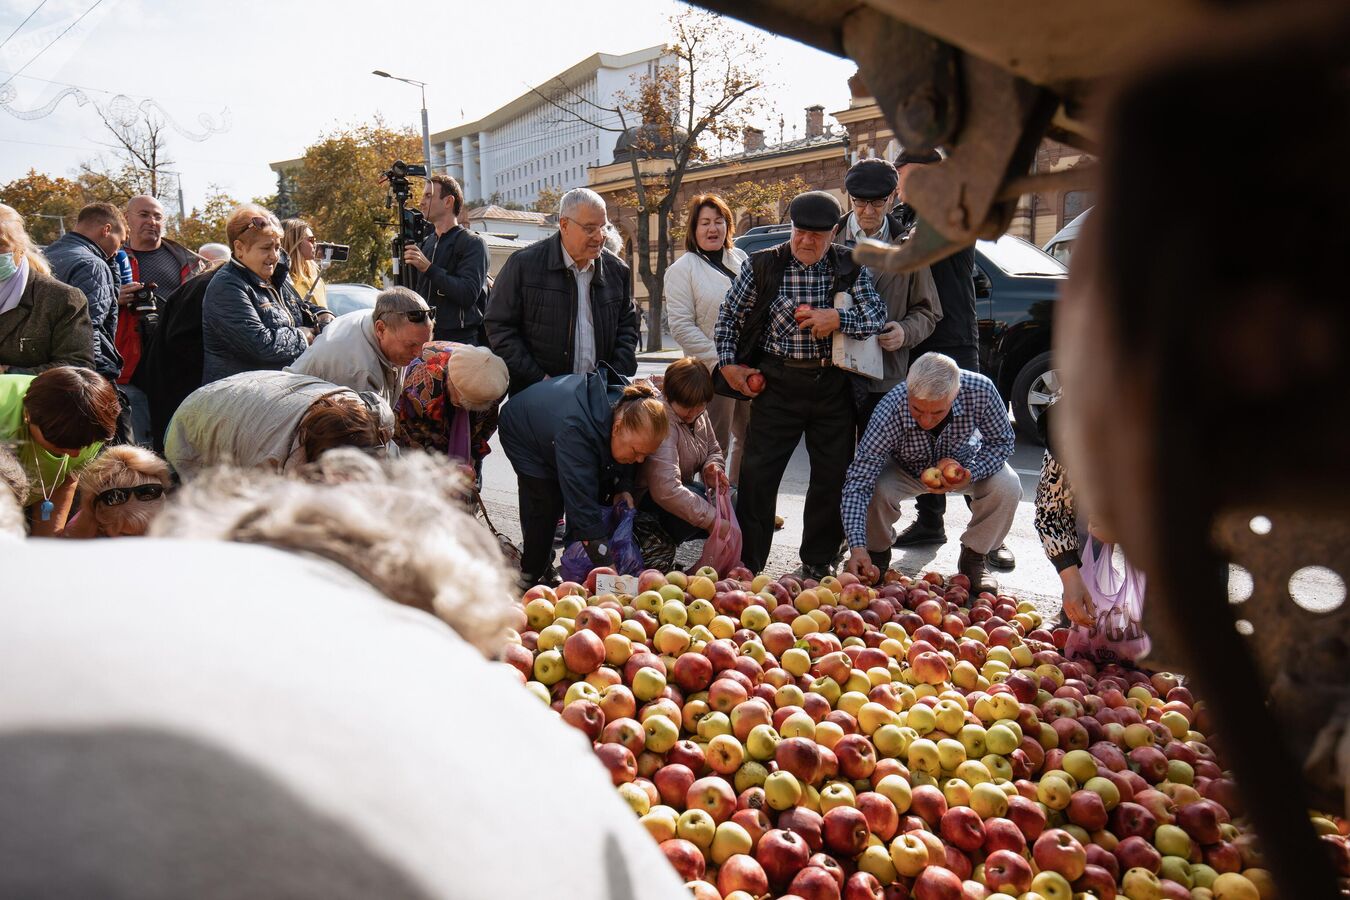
975, 567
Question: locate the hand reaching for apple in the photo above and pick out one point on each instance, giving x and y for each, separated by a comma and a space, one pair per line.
744, 379
1078, 604
821, 322
858, 562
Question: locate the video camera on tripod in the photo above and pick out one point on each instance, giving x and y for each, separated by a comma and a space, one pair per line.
412, 225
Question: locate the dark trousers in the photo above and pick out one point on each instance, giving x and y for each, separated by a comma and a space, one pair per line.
678, 529
541, 505
933, 507
816, 402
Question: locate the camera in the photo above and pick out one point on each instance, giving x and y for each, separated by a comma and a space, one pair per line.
398, 176
143, 300
412, 225
331, 253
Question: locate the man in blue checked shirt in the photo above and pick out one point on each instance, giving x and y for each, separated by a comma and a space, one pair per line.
940, 415
788, 343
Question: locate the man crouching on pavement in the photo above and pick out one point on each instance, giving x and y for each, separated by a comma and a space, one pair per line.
945, 419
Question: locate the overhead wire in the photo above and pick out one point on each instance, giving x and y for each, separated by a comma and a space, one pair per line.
19, 27
50, 43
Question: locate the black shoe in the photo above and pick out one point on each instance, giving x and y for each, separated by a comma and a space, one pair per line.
1002, 558
973, 566
550, 578
921, 532
559, 532
814, 572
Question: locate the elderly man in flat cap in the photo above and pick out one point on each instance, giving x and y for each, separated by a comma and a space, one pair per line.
773, 341
912, 307
957, 336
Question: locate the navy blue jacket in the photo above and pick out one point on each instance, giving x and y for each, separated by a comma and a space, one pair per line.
80, 263
247, 325
558, 429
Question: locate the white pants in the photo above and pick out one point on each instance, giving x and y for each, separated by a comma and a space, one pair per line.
993, 505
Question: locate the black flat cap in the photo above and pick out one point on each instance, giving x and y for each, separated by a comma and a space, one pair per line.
871, 179
815, 211
924, 157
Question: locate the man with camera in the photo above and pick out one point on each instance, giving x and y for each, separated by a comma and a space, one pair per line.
452, 264
80, 258
158, 267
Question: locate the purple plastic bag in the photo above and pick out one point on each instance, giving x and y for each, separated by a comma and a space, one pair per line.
722, 553
575, 565
1117, 635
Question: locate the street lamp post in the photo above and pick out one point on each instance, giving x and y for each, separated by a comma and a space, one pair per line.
426, 134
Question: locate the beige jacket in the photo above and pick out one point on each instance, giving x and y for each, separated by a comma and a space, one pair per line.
682, 455
694, 294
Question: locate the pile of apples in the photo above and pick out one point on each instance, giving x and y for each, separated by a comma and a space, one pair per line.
838, 741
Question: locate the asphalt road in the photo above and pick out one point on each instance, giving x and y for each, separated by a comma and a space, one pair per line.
1033, 578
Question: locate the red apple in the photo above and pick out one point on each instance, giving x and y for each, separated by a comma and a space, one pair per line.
1003, 834
882, 818
1027, 815
1133, 819
755, 381
712, 795
1134, 852
815, 883
927, 802
935, 883
805, 822
1223, 857
1097, 881
862, 886
782, 854
1087, 810
742, 873
585, 716
829, 864
1060, 851
620, 762
1201, 821
685, 857
1103, 858
845, 831
800, 756
672, 783
961, 826
857, 757
687, 753
692, 672
1007, 871
583, 651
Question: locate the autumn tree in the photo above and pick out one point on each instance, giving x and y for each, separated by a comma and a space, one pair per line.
548, 200
46, 204
754, 201
705, 89
205, 225
337, 189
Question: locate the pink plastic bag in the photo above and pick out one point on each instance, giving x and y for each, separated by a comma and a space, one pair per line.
722, 553
1117, 636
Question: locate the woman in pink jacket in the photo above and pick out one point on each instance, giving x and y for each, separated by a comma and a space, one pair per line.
680, 477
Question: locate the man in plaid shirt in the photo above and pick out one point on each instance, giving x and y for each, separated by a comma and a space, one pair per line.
802, 392
945, 418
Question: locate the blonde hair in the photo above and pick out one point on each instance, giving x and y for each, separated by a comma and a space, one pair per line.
399, 524
641, 411
14, 235
239, 226
292, 233
125, 466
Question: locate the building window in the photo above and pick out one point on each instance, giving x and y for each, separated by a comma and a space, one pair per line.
1075, 202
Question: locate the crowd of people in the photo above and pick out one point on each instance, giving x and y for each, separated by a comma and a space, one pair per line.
118, 344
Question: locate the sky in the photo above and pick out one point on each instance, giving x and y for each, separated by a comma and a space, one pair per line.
249, 82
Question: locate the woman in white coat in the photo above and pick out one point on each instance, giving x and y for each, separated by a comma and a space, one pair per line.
696, 283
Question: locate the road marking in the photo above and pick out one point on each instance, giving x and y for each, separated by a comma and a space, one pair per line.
1030, 473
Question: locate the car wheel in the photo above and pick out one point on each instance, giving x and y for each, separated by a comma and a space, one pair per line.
1033, 389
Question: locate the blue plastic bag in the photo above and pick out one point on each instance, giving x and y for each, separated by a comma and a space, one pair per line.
575, 565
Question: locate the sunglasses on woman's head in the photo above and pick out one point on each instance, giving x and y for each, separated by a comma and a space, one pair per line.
257, 222
143, 492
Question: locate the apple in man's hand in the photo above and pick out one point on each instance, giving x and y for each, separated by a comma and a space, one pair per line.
932, 477
755, 381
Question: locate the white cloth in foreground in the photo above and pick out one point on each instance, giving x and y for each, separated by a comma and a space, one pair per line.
200, 719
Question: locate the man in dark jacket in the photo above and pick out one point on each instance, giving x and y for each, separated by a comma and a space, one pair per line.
80, 259
452, 265
172, 366
565, 304
912, 306
956, 335
557, 436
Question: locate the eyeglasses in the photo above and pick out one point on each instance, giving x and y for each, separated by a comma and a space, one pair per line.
258, 222
874, 204
416, 316
591, 230
143, 492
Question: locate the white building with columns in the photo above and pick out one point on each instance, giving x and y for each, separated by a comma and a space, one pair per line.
514, 152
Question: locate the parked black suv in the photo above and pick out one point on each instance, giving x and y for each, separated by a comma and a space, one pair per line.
1015, 289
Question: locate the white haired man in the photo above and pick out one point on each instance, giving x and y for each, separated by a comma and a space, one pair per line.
368, 350
565, 304
940, 418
